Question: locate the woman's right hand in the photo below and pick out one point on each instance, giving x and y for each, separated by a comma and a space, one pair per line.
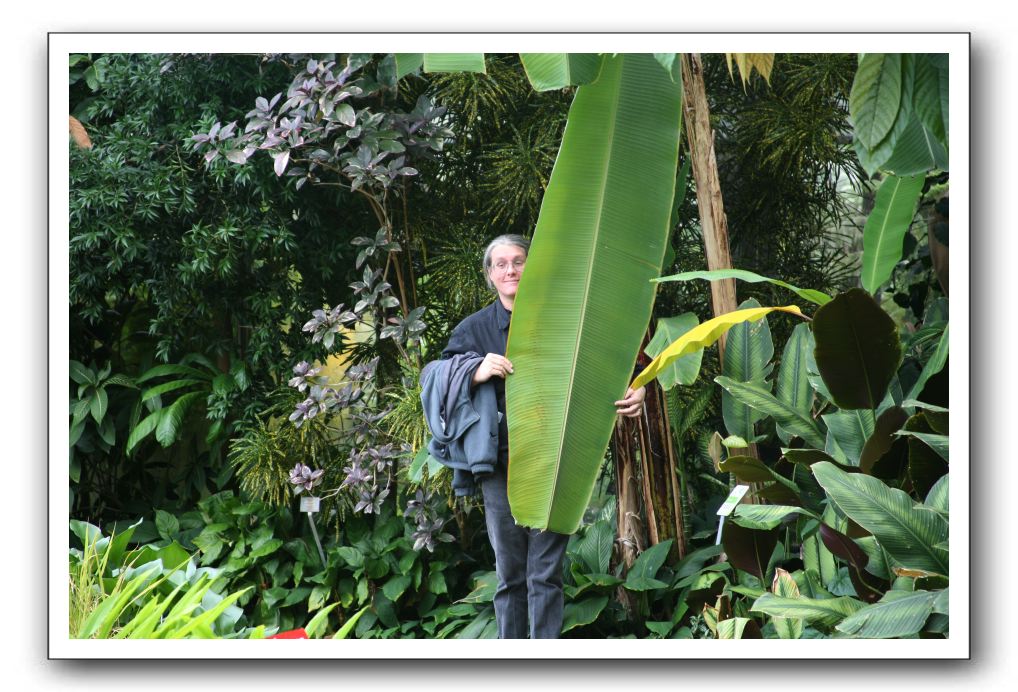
493, 365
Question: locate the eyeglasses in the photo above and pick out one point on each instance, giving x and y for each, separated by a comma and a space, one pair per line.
503, 267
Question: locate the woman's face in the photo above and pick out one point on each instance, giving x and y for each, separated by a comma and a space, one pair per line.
507, 263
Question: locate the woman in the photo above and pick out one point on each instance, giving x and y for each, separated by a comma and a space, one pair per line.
528, 562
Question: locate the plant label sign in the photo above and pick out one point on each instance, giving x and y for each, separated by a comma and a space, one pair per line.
309, 504
738, 492
728, 506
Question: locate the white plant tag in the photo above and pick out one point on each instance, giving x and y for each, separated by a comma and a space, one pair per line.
738, 492
309, 503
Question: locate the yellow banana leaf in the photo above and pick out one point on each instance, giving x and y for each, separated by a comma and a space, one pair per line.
703, 336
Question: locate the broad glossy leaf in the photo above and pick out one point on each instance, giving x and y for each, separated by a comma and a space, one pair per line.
823, 611
547, 71
672, 65
850, 429
748, 352
170, 386
585, 299
886, 227
738, 628
916, 151
906, 531
873, 158
703, 336
875, 96
766, 517
99, 404
595, 547
792, 386
784, 586
857, 349
813, 296
882, 438
647, 565
897, 614
749, 549
868, 587
684, 370
81, 374
579, 613
765, 402
939, 496
454, 62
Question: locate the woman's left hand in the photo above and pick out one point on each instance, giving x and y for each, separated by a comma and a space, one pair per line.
632, 405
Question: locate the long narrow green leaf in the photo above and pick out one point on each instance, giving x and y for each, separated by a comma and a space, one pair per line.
906, 531
348, 626
454, 62
146, 426
929, 97
934, 365
885, 228
813, 296
763, 401
897, 614
547, 71
169, 423
784, 586
767, 516
703, 336
748, 352
792, 385
160, 389
585, 298
173, 369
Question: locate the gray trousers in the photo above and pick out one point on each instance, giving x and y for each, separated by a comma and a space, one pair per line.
528, 563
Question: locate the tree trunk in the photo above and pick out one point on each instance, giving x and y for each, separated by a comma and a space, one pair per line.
713, 222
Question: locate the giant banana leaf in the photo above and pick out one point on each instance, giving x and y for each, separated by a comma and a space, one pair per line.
886, 227
934, 365
547, 71
907, 531
703, 336
792, 384
585, 298
897, 614
453, 62
748, 352
813, 296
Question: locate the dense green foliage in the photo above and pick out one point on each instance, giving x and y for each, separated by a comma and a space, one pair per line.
211, 277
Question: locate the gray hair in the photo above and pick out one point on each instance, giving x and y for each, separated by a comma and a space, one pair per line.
506, 239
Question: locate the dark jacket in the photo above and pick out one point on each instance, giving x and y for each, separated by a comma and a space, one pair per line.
464, 420
486, 331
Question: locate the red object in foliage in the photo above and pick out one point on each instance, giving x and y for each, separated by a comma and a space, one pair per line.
291, 634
